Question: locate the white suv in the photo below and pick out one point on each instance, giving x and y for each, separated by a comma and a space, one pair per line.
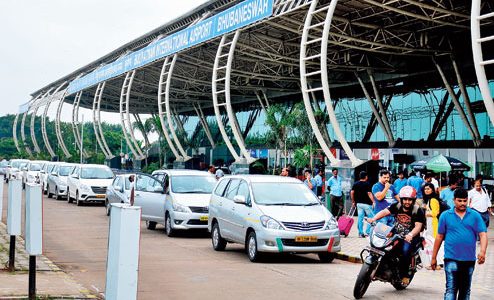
88, 183
271, 214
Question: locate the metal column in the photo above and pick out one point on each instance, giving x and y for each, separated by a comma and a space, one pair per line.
58, 130
479, 63
14, 133
98, 130
55, 96
75, 122
204, 123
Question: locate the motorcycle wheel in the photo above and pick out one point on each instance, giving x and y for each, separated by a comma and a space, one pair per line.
400, 286
363, 281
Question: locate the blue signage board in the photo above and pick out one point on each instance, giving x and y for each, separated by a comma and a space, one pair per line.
238, 16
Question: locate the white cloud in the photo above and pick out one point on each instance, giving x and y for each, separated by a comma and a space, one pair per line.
46, 40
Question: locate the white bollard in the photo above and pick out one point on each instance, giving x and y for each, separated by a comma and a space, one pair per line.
123, 252
14, 207
34, 219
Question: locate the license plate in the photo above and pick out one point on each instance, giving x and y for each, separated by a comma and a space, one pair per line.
302, 239
204, 218
100, 196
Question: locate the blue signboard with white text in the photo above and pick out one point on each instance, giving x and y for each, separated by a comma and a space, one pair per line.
238, 16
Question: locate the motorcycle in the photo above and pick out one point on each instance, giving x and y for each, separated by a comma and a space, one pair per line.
383, 260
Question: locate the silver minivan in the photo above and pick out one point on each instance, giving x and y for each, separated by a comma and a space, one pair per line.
271, 214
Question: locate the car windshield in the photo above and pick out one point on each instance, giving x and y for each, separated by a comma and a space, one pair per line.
192, 184
65, 170
96, 173
277, 193
35, 167
4, 163
22, 165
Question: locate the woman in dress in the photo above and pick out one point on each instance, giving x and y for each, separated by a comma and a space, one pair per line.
432, 202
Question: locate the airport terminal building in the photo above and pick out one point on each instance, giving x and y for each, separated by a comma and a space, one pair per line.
407, 77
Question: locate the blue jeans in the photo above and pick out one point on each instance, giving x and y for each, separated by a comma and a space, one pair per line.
406, 251
364, 210
388, 220
458, 279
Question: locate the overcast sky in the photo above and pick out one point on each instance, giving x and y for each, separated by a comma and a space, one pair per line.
44, 40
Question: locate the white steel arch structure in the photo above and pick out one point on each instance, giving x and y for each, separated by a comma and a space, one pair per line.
75, 123
222, 71
98, 130
167, 75
165, 69
51, 98
478, 57
41, 101
126, 123
204, 123
14, 133
311, 35
58, 129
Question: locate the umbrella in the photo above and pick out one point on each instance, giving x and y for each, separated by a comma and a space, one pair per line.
440, 163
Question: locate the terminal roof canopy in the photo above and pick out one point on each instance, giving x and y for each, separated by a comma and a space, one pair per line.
396, 40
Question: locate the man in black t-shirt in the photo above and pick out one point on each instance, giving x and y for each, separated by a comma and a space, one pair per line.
409, 221
362, 198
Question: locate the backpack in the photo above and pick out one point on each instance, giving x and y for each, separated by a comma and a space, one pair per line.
443, 206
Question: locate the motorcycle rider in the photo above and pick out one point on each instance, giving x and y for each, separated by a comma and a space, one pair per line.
409, 222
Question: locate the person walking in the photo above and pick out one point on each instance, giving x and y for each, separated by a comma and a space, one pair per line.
335, 193
417, 182
362, 198
448, 193
433, 206
384, 195
479, 200
400, 182
310, 182
319, 182
459, 228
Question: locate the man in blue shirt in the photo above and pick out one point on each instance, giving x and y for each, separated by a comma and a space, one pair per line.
459, 228
416, 182
335, 193
448, 193
319, 182
400, 182
310, 182
384, 195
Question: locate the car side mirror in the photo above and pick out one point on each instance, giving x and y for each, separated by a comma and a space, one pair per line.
42, 172
75, 176
23, 169
158, 189
54, 174
240, 199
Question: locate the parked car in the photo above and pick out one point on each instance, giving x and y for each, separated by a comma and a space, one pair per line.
88, 183
30, 173
4, 164
148, 194
57, 180
187, 199
14, 168
271, 214
45, 172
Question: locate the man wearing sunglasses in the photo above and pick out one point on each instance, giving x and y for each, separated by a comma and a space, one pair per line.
409, 222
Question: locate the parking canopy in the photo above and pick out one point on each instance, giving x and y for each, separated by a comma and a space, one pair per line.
440, 163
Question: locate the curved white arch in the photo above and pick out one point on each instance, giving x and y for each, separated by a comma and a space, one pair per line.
98, 130
58, 130
14, 133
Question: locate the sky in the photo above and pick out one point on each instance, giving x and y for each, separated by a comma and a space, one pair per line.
44, 40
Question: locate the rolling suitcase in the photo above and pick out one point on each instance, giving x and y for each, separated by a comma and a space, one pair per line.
345, 222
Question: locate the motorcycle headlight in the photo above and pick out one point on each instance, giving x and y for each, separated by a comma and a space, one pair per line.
271, 223
331, 224
180, 208
378, 242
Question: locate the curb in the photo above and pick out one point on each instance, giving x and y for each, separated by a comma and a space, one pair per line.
348, 258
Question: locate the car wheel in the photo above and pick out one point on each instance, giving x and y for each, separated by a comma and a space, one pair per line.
69, 200
326, 257
108, 207
150, 225
168, 226
77, 200
57, 196
48, 191
219, 243
252, 252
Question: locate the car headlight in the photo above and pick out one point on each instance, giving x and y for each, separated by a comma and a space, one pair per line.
180, 208
271, 223
84, 187
331, 224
